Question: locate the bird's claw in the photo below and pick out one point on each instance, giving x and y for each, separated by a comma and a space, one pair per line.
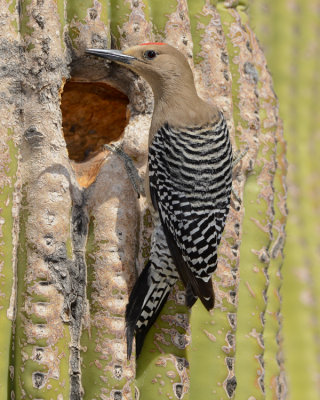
236, 196
238, 156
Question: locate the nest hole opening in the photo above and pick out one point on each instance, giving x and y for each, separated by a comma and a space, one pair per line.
93, 114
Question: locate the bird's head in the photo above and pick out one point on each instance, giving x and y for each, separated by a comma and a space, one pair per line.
171, 79
161, 65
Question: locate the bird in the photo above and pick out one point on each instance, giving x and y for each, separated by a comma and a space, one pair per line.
188, 185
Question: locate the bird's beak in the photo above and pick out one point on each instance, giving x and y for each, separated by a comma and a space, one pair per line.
112, 55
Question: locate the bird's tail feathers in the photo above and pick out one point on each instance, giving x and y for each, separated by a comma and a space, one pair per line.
146, 300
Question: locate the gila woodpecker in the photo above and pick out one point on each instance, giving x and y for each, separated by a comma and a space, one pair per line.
189, 185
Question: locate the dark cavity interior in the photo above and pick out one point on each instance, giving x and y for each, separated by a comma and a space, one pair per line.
92, 114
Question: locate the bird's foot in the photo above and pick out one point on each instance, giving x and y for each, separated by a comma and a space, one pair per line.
238, 156
236, 196
133, 175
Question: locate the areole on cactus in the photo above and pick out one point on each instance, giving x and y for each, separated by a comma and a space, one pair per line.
74, 234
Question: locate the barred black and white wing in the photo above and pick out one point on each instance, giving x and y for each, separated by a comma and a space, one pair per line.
190, 186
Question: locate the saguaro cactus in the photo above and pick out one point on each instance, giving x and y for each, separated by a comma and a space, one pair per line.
289, 34
72, 252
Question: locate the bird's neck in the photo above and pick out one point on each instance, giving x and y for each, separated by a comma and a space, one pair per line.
180, 107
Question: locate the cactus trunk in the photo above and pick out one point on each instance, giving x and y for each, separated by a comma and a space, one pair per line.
81, 236
292, 49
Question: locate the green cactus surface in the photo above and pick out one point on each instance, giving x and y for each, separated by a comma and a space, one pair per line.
288, 34
9, 167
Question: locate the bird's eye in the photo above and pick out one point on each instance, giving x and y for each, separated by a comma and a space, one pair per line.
150, 54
